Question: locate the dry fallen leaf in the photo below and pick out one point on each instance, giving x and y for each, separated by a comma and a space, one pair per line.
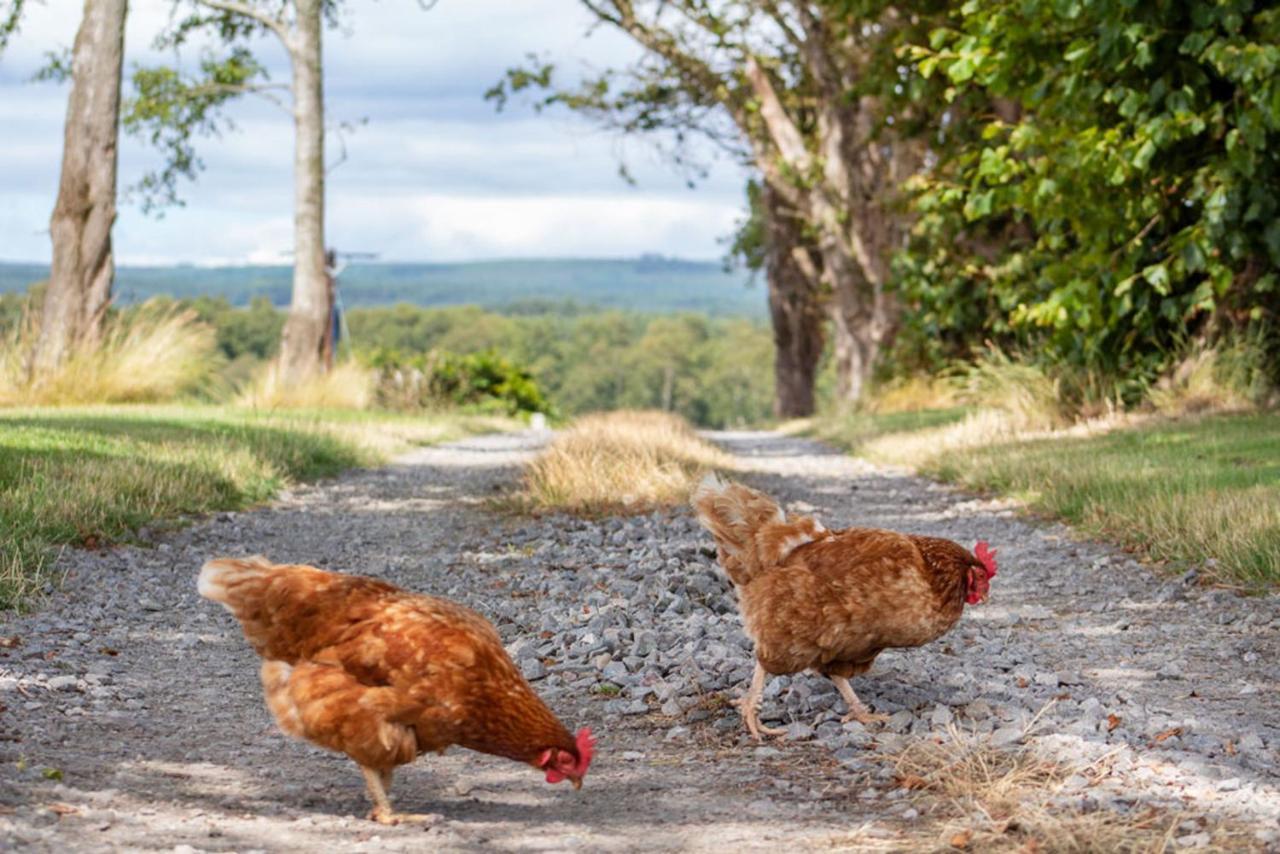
1113, 721
912, 781
961, 839
10, 642
1167, 734
1231, 748
63, 809
1022, 682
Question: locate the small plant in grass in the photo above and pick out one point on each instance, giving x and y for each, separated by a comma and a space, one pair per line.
626, 461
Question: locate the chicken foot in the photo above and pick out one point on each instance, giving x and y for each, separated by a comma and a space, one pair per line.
379, 782
857, 710
751, 708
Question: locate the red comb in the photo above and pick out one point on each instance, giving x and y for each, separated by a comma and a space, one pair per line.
988, 557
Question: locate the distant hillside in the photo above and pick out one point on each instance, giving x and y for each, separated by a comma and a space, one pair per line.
647, 283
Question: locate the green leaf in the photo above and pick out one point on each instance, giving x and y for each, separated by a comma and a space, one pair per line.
1158, 276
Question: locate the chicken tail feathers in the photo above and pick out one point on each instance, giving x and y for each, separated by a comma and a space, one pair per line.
219, 578
744, 523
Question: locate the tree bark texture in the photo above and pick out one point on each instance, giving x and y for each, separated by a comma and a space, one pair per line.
850, 206
82, 266
302, 342
796, 307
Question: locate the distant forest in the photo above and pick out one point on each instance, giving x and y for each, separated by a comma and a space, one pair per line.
651, 284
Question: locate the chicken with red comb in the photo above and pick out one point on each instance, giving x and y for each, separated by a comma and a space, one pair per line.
831, 601
364, 668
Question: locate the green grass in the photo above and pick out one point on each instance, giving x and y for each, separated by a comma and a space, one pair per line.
95, 475
1186, 491
855, 430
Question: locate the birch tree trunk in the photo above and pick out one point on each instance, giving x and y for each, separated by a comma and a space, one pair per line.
795, 307
82, 265
302, 343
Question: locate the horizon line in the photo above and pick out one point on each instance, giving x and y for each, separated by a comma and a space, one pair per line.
513, 259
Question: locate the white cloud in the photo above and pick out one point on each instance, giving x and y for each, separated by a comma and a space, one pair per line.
452, 228
435, 174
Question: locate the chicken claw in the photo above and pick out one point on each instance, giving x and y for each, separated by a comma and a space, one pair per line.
392, 818
751, 708
857, 710
379, 781
865, 718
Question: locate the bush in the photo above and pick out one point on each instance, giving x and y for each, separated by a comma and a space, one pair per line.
485, 381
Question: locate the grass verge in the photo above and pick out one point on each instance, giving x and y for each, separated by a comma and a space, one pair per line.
626, 461
1204, 491
95, 475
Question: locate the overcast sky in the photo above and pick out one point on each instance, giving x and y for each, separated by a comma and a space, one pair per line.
435, 174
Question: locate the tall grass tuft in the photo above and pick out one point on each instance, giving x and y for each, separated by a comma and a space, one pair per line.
150, 356
1027, 397
1228, 376
347, 386
626, 461
915, 393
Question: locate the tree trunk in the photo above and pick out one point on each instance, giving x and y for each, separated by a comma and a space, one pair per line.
863, 312
82, 266
795, 307
302, 342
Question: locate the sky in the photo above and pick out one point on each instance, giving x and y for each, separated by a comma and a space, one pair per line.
435, 174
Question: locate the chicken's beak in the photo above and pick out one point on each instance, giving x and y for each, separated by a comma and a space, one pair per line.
577, 783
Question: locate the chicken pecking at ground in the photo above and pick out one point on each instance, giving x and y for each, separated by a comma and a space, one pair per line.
361, 667
831, 601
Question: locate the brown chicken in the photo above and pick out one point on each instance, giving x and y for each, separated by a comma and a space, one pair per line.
831, 601
361, 667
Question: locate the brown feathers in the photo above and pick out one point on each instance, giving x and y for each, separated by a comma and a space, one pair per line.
830, 600
359, 666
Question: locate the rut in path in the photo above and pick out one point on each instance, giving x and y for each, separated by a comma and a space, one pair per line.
145, 700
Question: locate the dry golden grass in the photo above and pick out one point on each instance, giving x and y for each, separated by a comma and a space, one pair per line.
155, 355
976, 797
1228, 377
624, 461
915, 393
347, 386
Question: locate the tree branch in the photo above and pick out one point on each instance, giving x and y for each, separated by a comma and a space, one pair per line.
781, 128
235, 7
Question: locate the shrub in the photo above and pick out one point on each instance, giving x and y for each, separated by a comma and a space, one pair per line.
484, 380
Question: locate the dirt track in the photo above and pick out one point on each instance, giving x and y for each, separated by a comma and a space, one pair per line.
133, 717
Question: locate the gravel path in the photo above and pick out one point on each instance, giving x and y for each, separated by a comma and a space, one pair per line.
131, 715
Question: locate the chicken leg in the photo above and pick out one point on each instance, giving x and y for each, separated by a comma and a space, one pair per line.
379, 782
857, 711
751, 707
